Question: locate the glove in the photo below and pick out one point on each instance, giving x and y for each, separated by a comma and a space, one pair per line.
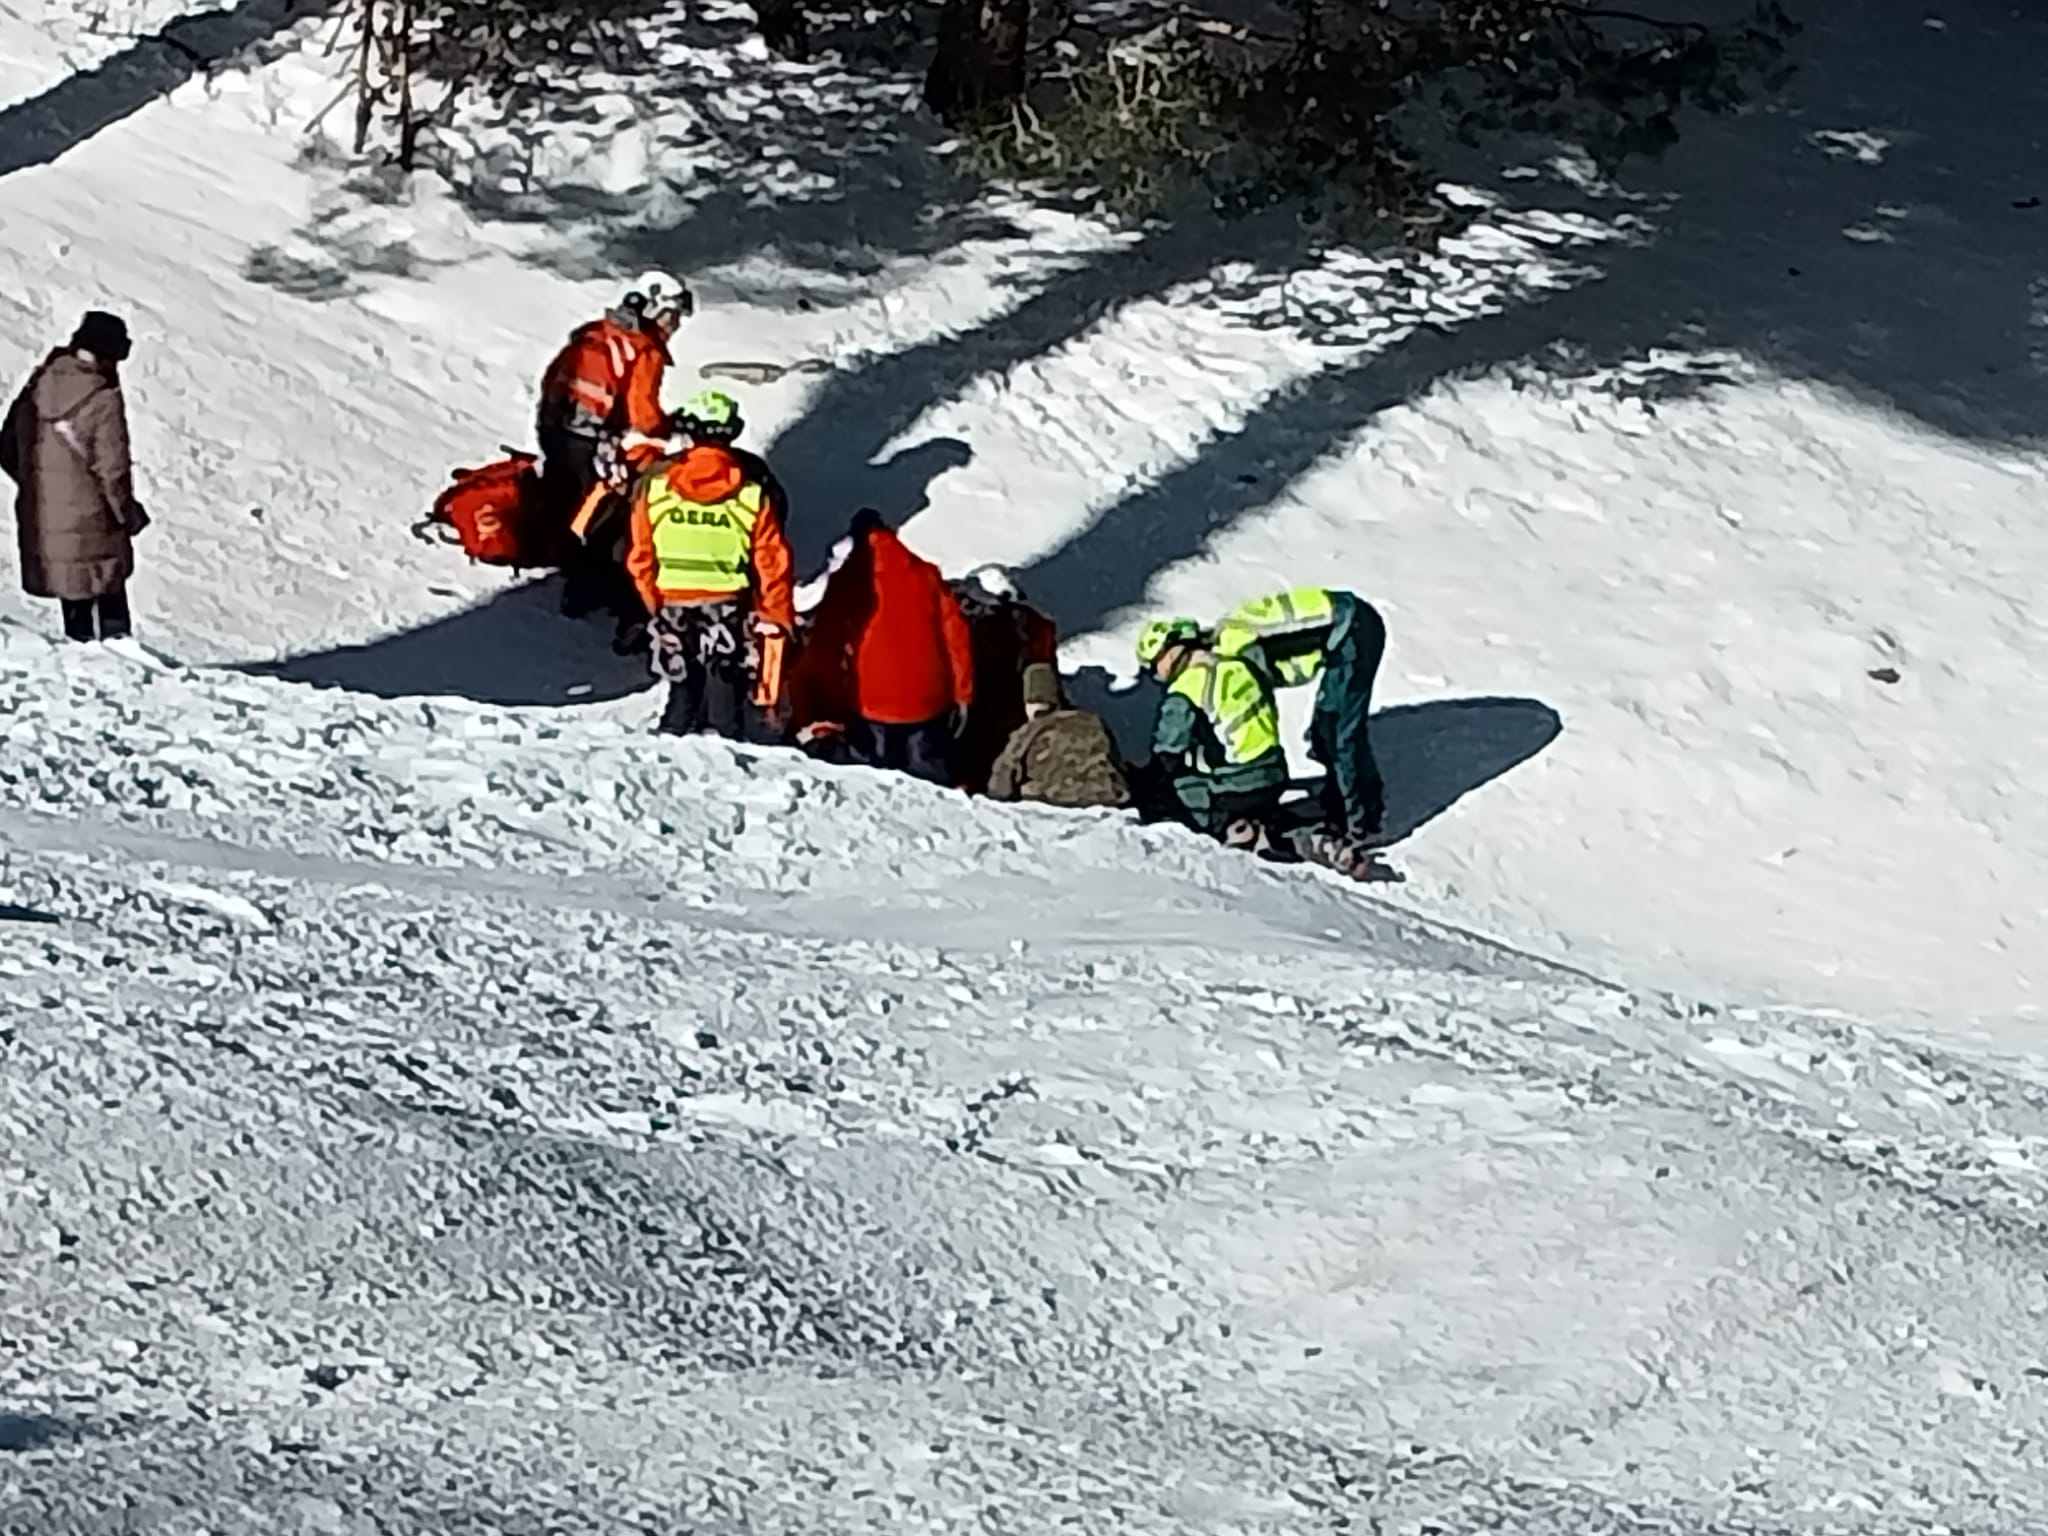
767, 629
956, 721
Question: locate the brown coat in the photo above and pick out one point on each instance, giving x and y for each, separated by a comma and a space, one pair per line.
65, 445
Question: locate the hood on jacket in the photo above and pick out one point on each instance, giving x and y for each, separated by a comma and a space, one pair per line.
886, 552
706, 474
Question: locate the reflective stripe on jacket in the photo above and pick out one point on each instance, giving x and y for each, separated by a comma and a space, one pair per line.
1238, 705
1289, 632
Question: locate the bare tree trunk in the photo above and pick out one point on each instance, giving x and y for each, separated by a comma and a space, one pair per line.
408, 129
364, 95
979, 63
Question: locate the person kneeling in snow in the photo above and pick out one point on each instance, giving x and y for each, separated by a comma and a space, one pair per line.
711, 564
889, 643
1058, 756
1216, 749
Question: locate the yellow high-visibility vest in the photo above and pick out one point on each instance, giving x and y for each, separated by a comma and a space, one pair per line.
700, 547
1236, 702
1295, 612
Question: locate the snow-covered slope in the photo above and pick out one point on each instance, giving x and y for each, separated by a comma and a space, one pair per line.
436, 1106
590, 1156
1681, 462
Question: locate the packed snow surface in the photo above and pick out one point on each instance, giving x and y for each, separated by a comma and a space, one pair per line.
433, 1105
445, 1119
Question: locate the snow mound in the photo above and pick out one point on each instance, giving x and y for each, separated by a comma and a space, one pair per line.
457, 1118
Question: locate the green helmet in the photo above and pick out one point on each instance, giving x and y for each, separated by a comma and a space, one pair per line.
712, 414
1156, 636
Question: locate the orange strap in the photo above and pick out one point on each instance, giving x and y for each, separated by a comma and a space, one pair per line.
579, 525
768, 686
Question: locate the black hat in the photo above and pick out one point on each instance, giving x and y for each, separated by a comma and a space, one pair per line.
103, 335
866, 521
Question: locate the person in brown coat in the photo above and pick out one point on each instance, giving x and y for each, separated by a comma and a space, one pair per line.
1058, 756
65, 446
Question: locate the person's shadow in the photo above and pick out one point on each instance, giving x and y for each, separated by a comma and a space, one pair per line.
516, 648
513, 648
1430, 755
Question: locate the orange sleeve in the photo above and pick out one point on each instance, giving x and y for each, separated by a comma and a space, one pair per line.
959, 645
774, 590
641, 564
643, 390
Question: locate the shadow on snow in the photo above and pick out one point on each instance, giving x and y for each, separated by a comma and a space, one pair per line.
39, 130
513, 648
1431, 755
31, 1431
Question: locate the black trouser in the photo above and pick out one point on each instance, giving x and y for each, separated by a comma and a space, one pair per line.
594, 570
700, 648
110, 609
568, 469
924, 751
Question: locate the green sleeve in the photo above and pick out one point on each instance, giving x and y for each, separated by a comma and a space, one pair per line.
1007, 776
1173, 733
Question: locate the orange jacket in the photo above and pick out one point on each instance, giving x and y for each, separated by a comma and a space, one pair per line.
892, 631
608, 378
709, 475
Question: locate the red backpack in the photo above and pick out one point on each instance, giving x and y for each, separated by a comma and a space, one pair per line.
496, 514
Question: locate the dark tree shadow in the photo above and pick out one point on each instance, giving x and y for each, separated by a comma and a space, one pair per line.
31, 1431
325, 280
37, 131
1865, 233
855, 412
824, 494
514, 648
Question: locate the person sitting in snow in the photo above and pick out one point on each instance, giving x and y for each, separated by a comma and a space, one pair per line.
1007, 635
1216, 753
601, 398
65, 444
888, 650
1334, 639
1058, 756
710, 562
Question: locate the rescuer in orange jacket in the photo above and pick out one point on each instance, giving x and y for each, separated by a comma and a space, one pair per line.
709, 559
604, 385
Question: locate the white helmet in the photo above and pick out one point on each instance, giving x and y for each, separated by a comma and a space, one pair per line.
660, 295
995, 580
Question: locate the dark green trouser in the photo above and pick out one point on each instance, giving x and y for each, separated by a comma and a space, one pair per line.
1211, 802
1354, 799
